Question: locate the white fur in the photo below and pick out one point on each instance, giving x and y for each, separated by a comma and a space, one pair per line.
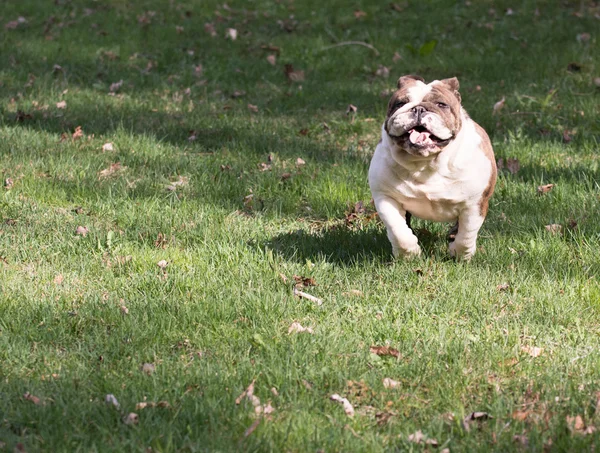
444, 188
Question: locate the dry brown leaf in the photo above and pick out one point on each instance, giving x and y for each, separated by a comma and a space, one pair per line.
417, 437
300, 162
34, 399
8, 183
513, 165
358, 14
597, 81
583, 37
111, 170
384, 351
252, 427
124, 310
389, 383
148, 368
544, 189
274, 391
272, 59
162, 264
533, 351
253, 108
116, 86
58, 279
499, 105
307, 385
246, 392
348, 409
304, 281
554, 228
521, 439
520, 415
397, 57
576, 423
293, 75
296, 327
131, 419
81, 231
61, 105
108, 147
77, 134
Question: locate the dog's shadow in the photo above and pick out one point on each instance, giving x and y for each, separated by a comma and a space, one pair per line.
346, 246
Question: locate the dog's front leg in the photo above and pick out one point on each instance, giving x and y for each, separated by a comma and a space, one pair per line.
404, 242
465, 242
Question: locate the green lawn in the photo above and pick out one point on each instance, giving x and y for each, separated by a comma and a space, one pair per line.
213, 187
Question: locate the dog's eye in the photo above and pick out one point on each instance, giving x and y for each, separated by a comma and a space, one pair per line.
442, 105
399, 104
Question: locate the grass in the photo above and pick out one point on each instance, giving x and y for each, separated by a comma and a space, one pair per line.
217, 316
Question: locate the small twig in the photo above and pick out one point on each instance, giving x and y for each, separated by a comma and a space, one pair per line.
307, 296
352, 43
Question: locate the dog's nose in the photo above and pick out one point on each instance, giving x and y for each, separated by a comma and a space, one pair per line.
418, 110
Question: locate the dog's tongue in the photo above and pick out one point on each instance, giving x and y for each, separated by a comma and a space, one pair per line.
420, 138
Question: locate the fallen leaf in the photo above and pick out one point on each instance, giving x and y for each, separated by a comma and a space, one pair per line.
296, 327
111, 400
124, 310
397, 57
300, 162
114, 87
307, 385
502, 287
15, 23
304, 281
597, 81
348, 409
533, 351
61, 105
417, 437
353, 293
358, 14
248, 391
148, 368
567, 136
253, 108
384, 351
111, 170
8, 183
231, 33
272, 59
238, 94
77, 134
475, 416
81, 230
285, 176
34, 399
293, 75
179, 29
274, 391
576, 423
382, 71
107, 147
351, 109
131, 419
58, 279
554, 228
210, 29
162, 264
544, 189
520, 415
389, 383
499, 105
268, 409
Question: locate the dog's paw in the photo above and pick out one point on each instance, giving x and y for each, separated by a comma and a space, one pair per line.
461, 252
407, 253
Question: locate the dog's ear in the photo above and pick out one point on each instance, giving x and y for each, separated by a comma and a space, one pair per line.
453, 85
404, 80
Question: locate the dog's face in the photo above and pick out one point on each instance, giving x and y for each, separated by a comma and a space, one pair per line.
424, 118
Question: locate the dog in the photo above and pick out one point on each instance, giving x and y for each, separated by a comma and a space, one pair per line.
434, 162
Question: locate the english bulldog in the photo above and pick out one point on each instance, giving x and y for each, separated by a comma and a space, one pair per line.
434, 162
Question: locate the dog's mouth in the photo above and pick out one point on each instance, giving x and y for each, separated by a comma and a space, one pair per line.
420, 137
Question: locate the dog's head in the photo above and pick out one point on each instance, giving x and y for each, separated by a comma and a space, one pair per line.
424, 118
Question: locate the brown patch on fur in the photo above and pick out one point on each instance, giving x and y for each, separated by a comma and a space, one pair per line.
441, 94
486, 147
